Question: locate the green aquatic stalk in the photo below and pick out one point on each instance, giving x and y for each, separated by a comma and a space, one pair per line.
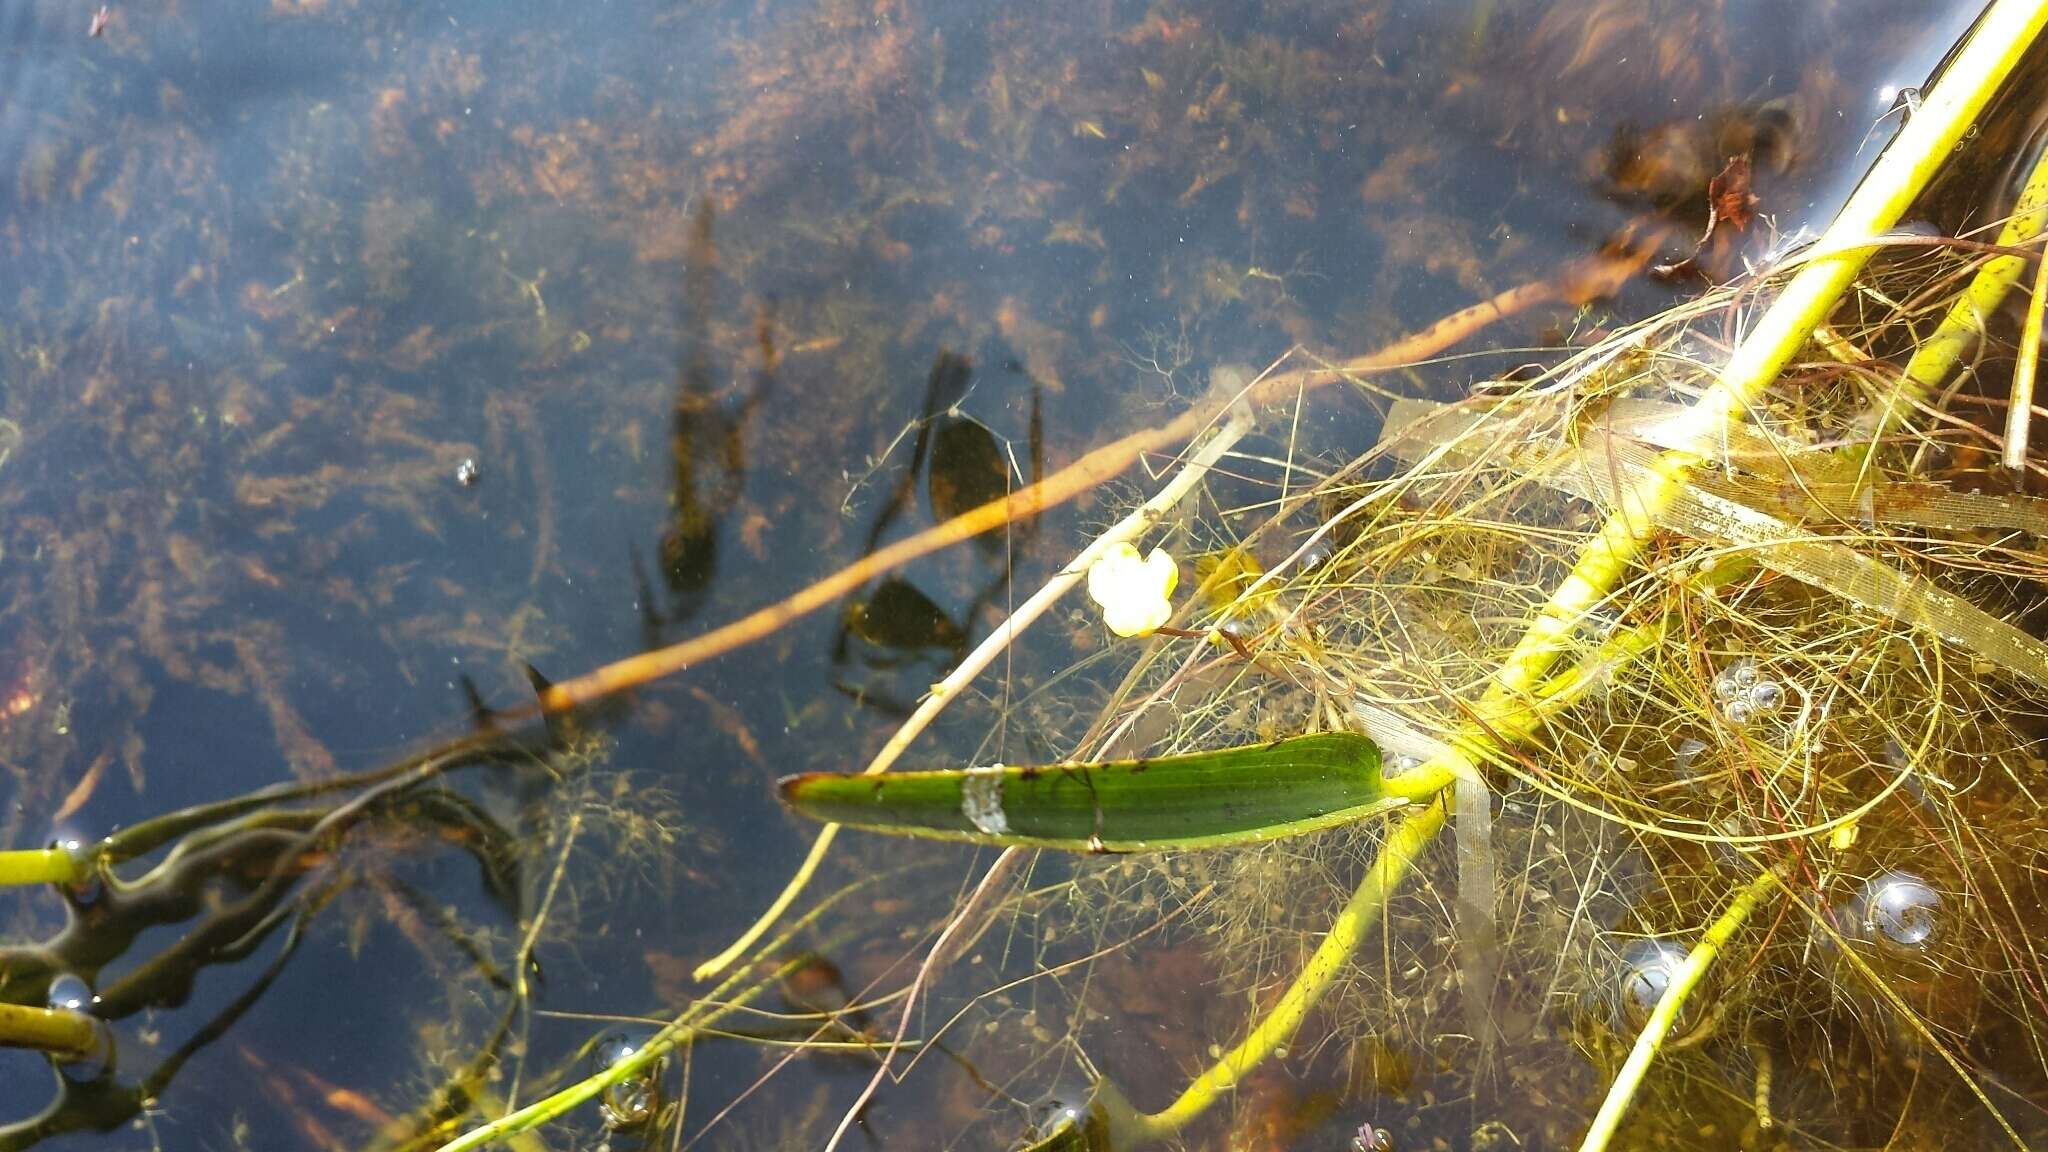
1980, 68
1994, 48
58, 1031
1243, 795
1404, 844
1683, 982
42, 866
141, 838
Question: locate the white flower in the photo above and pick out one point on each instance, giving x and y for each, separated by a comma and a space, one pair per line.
1133, 592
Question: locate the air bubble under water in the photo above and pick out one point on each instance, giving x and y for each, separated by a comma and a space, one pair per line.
1746, 695
1646, 970
1898, 912
634, 1101
70, 993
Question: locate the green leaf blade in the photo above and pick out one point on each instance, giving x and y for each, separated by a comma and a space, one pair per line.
1230, 796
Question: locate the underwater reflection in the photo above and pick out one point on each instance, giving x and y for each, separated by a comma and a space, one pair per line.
963, 466
707, 445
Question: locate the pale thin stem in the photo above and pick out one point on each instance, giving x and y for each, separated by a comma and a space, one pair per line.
2019, 415
720, 1001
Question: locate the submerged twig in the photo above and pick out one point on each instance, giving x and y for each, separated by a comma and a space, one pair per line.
1586, 278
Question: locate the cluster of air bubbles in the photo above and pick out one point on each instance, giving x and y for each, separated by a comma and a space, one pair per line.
634, 1101
1744, 695
1897, 911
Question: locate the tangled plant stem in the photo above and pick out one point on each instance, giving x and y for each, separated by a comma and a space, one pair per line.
1516, 696
1950, 110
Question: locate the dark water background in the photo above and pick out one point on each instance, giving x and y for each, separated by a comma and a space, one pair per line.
677, 279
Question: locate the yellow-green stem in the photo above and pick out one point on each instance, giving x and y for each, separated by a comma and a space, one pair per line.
1683, 982
2000, 39
1410, 835
1424, 786
41, 866
1963, 326
57, 1031
1950, 111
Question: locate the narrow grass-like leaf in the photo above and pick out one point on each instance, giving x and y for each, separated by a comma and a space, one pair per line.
1201, 800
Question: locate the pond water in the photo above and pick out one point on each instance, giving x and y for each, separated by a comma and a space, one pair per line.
358, 355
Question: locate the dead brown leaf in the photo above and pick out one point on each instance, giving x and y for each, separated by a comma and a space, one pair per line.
1729, 197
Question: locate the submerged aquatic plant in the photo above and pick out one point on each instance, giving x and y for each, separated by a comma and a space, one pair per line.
1667, 621
1764, 714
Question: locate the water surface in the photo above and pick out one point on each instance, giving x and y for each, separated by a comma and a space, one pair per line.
360, 349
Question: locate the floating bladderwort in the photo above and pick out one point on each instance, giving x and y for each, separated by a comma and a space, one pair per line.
1427, 643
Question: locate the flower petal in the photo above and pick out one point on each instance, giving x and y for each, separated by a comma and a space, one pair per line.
1134, 593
